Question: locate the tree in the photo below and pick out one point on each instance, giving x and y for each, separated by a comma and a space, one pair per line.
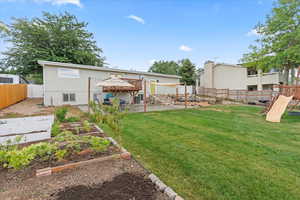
60, 38
165, 67
279, 43
187, 71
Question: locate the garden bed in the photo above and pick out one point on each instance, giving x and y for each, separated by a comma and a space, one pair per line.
108, 180
85, 153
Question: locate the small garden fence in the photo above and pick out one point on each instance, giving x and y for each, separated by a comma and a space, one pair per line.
236, 95
11, 94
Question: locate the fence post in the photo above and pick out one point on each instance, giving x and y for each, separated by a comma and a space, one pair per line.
185, 95
89, 93
176, 94
145, 97
227, 93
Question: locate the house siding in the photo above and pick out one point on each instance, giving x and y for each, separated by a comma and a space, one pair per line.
55, 86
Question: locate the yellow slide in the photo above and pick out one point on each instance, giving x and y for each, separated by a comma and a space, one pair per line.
278, 108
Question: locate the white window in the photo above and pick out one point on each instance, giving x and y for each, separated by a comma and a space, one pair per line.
68, 73
69, 97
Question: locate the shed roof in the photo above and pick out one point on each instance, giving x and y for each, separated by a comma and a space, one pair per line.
107, 69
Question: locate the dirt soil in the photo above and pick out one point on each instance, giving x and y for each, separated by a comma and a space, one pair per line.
122, 187
114, 179
35, 107
28, 107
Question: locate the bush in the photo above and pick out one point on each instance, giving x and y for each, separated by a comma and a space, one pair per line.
60, 114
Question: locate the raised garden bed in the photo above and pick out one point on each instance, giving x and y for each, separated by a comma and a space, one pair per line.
69, 146
108, 180
79, 129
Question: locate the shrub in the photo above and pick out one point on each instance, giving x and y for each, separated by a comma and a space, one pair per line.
60, 114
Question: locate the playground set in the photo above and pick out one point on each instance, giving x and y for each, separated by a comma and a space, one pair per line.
288, 96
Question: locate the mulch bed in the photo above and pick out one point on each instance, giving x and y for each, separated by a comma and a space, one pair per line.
123, 187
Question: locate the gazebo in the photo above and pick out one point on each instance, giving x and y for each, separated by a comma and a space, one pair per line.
116, 84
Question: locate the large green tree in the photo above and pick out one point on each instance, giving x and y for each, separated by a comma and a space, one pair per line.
165, 67
187, 71
278, 45
184, 68
61, 38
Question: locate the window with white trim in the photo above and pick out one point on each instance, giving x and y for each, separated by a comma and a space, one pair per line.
69, 97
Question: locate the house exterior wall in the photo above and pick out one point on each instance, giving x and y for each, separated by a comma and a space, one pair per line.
55, 85
230, 77
15, 78
234, 77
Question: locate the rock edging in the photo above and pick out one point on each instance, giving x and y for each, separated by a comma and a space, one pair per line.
161, 186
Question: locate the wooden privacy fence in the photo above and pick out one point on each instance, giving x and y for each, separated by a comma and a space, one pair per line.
11, 94
236, 95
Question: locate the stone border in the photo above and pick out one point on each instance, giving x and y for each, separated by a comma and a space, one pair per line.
158, 183
161, 186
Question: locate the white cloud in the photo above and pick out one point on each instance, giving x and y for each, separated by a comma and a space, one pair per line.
185, 48
53, 2
151, 62
253, 32
136, 18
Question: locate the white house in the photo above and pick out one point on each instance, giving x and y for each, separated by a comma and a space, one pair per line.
236, 77
66, 83
9, 79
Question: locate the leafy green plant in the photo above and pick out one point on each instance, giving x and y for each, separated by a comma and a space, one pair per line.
61, 154
98, 144
86, 126
109, 115
14, 158
66, 136
77, 130
60, 114
72, 119
55, 130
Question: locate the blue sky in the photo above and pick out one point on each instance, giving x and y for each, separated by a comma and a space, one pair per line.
134, 33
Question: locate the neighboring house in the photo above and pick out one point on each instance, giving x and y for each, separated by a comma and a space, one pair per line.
11, 79
66, 83
236, 77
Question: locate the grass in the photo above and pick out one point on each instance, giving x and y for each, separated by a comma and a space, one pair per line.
221, 152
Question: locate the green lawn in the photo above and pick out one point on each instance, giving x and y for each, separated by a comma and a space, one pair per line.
221, 152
